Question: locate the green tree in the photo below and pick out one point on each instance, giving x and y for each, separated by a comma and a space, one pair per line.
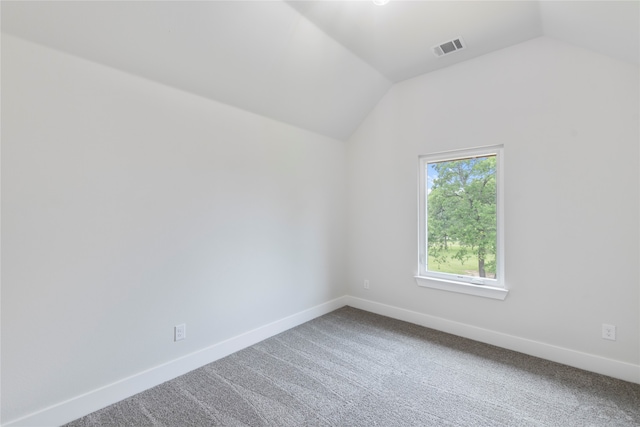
461, 210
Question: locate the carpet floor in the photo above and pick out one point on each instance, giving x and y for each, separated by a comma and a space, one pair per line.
354, 368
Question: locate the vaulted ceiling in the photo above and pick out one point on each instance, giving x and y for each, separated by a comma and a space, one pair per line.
318, 65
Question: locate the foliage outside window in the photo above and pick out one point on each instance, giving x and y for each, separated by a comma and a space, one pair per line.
461, 217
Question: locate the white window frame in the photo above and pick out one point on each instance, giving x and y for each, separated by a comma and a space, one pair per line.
484, 287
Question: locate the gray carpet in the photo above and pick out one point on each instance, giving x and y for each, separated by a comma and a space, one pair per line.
353, 368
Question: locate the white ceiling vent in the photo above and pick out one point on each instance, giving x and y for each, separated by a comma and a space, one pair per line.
449, 47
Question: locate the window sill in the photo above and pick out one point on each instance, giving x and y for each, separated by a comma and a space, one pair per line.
462, 288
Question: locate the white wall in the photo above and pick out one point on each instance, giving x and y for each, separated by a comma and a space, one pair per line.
568, 119
129, 207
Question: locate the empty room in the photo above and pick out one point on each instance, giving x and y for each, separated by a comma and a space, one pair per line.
327, 213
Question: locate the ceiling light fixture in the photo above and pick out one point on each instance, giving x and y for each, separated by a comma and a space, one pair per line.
380, 2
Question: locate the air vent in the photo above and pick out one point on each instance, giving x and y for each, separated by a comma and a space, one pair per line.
449, 47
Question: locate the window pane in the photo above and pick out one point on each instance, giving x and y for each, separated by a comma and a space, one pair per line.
462, 216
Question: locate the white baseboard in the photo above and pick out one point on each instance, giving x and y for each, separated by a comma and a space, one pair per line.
87, 403
79, 406
588, 362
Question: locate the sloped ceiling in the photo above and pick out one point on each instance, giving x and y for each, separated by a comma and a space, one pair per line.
263, 57
608, 27
397, 38
318, 65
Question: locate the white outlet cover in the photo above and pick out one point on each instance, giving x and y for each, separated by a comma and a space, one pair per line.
608, 332
180, 332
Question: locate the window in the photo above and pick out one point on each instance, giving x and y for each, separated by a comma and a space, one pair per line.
461, 217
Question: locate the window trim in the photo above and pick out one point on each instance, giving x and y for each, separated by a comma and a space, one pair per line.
490, 288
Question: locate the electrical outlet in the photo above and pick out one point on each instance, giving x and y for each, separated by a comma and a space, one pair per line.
179, 332
608, 332
366, 284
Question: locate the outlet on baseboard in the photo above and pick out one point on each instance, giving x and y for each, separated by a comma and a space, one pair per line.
608, 332
180, 332
366, 284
